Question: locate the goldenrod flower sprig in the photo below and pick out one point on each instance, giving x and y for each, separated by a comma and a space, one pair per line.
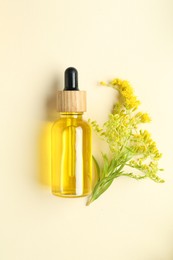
131, 149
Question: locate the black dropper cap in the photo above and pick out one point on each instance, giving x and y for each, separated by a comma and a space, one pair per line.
71, 79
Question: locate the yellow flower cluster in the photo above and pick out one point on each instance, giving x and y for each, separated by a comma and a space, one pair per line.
121, 130
144, 145
143, 117
149, 170
151, 145
130, 101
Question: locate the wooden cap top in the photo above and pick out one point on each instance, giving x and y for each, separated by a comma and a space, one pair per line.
71, 101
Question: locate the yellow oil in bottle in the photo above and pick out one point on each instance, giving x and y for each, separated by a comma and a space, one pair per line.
71, 156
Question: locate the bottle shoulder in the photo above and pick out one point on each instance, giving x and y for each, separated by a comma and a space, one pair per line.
65, 122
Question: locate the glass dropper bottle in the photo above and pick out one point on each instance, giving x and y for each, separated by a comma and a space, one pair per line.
71, 155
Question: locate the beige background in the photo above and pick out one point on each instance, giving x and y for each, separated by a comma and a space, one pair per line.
103, 39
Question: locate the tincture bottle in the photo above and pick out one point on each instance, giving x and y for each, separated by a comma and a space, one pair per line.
71, 155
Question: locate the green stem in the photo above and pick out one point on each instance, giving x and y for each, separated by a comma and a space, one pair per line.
136, 177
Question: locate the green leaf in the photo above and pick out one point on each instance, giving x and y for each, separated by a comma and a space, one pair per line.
97, 167
113, 165
100, 187
105, 166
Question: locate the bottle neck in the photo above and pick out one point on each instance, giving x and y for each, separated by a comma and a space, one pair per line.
71, 115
